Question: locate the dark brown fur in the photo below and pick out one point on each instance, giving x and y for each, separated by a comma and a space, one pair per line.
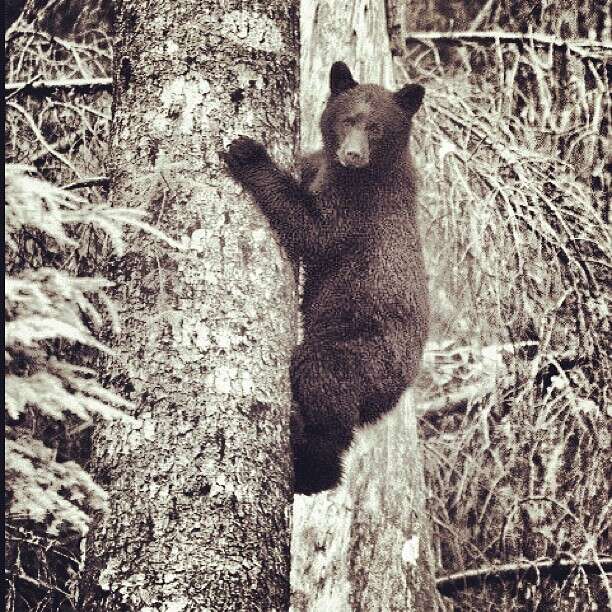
353, 222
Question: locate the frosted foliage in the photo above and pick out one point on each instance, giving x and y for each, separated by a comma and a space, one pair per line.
44, 306
47, 491
34, 203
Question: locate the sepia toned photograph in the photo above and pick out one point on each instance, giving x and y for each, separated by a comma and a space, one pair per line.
307, 306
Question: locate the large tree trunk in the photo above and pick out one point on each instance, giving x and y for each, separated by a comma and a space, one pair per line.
201, 484
366, 545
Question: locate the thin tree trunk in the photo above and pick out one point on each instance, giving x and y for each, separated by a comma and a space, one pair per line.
352, 31
366, 545
200, 485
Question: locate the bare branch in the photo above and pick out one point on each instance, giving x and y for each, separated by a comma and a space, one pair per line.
592, 49
41, 584
82, 110
482, 14
67, 44
39, 136
94, 181
556, 569
23, 86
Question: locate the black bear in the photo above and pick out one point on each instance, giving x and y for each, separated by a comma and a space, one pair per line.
352, 221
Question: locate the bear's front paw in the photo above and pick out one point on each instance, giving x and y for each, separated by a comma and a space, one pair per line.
243, 153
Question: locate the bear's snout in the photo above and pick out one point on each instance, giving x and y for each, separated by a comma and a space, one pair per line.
354, 151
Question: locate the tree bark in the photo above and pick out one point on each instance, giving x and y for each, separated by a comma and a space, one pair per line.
365, 545
200, 484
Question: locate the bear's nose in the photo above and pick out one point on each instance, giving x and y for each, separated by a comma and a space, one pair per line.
354, 150
356, 157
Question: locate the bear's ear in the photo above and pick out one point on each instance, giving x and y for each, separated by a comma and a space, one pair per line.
340, 79
409, 97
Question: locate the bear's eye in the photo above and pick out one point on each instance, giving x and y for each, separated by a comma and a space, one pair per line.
349, 121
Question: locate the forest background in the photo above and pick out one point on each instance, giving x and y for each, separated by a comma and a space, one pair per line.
514, 394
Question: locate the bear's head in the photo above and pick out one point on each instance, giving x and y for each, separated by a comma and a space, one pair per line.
366, 127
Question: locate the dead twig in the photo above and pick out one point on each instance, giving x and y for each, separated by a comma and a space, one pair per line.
94, 181
43, 88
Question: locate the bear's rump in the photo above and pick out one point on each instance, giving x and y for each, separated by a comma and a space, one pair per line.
345, 381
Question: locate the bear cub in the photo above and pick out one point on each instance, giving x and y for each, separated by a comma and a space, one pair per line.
352, 220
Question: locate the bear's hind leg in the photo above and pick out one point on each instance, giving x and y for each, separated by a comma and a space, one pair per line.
326, 398
317, 459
